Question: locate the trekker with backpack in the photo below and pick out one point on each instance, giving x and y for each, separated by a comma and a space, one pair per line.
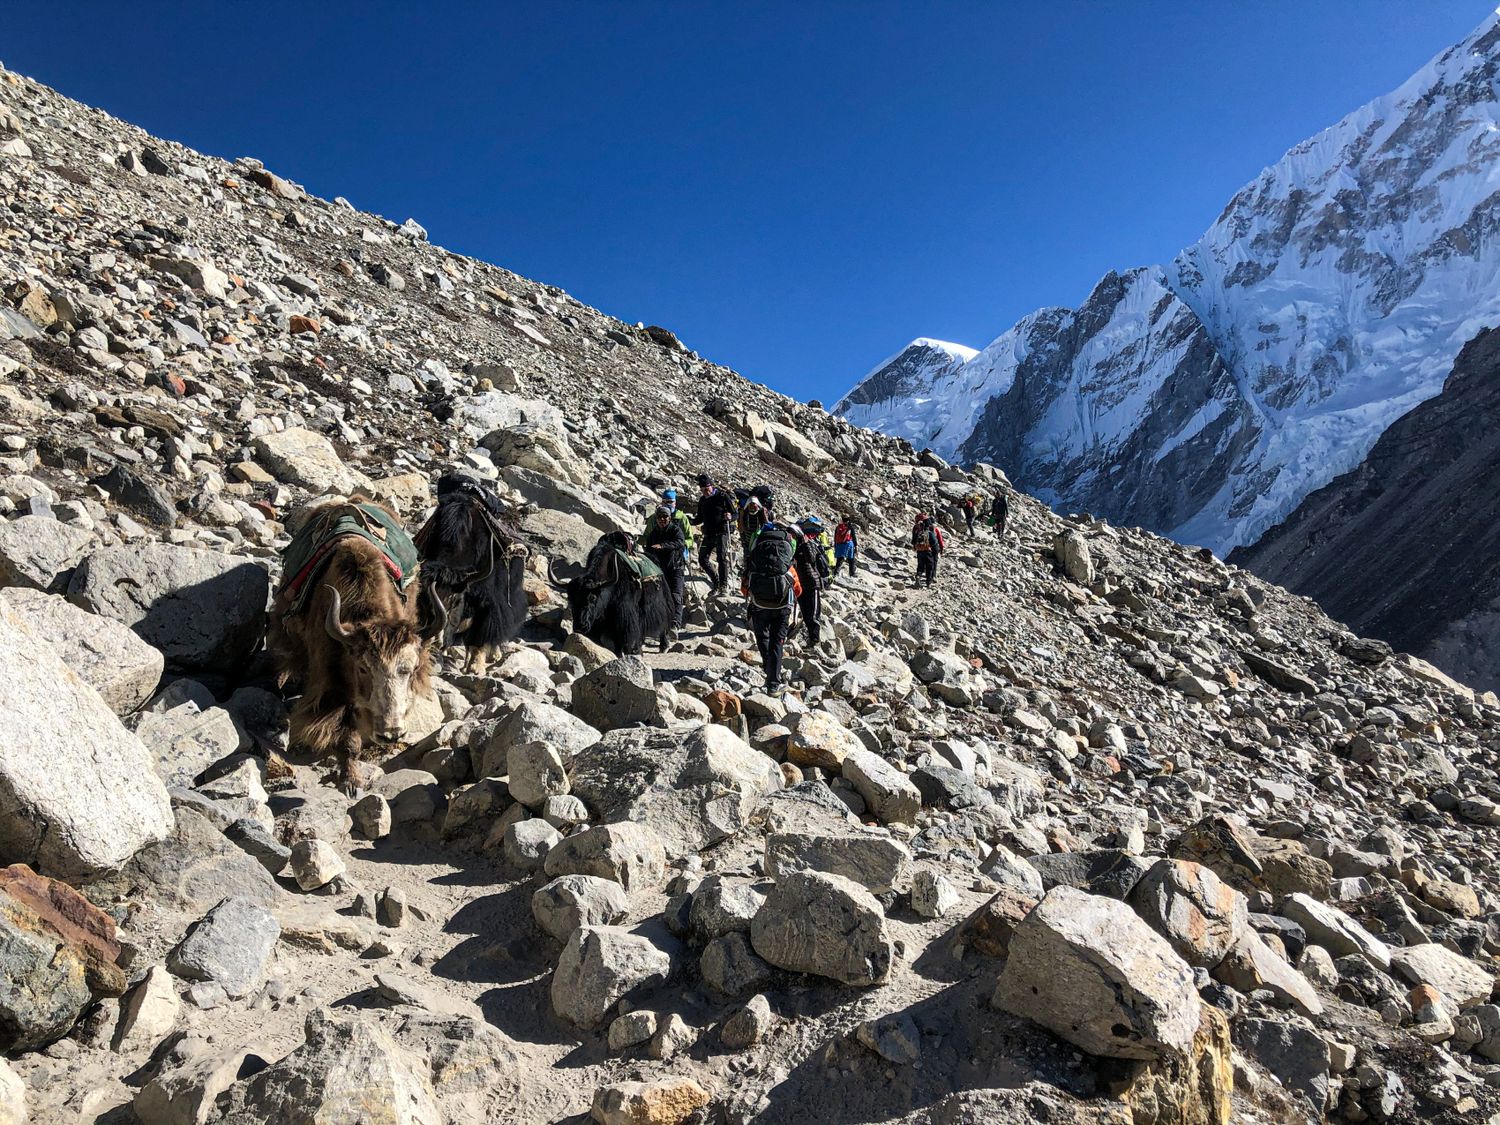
716, 515
845, 546
969, 505
927, 541
772, 586
999, 509
753, 517
813, 571
663, 543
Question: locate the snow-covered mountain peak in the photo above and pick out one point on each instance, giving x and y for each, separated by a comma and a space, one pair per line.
1330, 296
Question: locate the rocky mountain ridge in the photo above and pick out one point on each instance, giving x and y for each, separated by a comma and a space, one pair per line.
1099, 829
1330, 297
1406, 547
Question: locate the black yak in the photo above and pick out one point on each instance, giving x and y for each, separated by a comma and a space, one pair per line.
619, 599
473, 564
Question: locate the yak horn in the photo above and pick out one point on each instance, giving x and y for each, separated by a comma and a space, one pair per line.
336, 628
439, 626
552, 577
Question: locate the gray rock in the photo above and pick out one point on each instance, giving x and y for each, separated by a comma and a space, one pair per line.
371, 817
107, 656
77, 791
620, 694
527, 842
140, 496
185, 1095
231, 945
349, 1071
1197, 912
730, 965
307, 459
1334, 930
1087, 969
1461, 982
571, 901
629, 853
876, 861
315, 864
536, 771
825, 925
1297, 1057
749, 1025
526, 722
694, 789
1108, 871
255, 841
1072, 552
895, 1038
204, 611
185, 741
720, 907
932, 895
602, 965
888, 792
35, 551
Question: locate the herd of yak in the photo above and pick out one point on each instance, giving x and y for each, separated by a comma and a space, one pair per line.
354, 624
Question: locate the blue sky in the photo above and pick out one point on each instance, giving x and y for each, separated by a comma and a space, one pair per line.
797, 189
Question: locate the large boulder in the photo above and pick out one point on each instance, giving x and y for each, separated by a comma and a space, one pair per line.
489, 411
665, 1101
1462, 983
107, 656
571, 901
620, 694
825, 925
78, 793
540, 448
36, 550
203, 610
629, 853
889, 793
1088, 969
57, 955
1201, 915
231, 945
1334, 930
874, 859
348, 1072
307, 459
694, 789
601, 965
818, 739
530, 721
184, 742
1071, 550
546, 492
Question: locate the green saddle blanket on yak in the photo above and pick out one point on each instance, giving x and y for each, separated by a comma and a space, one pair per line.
307, 553
640, 567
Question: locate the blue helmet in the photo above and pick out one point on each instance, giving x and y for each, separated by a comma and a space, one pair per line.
816, 521
669, 494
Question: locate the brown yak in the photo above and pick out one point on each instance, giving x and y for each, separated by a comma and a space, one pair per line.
358, 650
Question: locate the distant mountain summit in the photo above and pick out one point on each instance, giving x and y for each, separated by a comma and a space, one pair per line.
1206, 398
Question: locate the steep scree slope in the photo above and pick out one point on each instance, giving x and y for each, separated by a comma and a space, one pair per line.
193, 349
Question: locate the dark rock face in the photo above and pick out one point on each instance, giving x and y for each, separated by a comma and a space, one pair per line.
1407, 546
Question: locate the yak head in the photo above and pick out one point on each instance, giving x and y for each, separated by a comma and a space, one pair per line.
385, 663
601, 575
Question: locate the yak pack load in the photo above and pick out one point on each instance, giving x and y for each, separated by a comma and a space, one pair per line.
307, 553
769, 567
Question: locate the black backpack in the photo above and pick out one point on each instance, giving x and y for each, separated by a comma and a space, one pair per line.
768, 565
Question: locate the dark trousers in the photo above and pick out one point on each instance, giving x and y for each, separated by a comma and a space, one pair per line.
811, 606
841, 560
713, 557
676, 579
1000, 525
770, 627
927, 566
969, 519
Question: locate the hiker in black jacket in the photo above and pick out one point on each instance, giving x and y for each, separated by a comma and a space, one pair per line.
999, 509
664, 546
716, 515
